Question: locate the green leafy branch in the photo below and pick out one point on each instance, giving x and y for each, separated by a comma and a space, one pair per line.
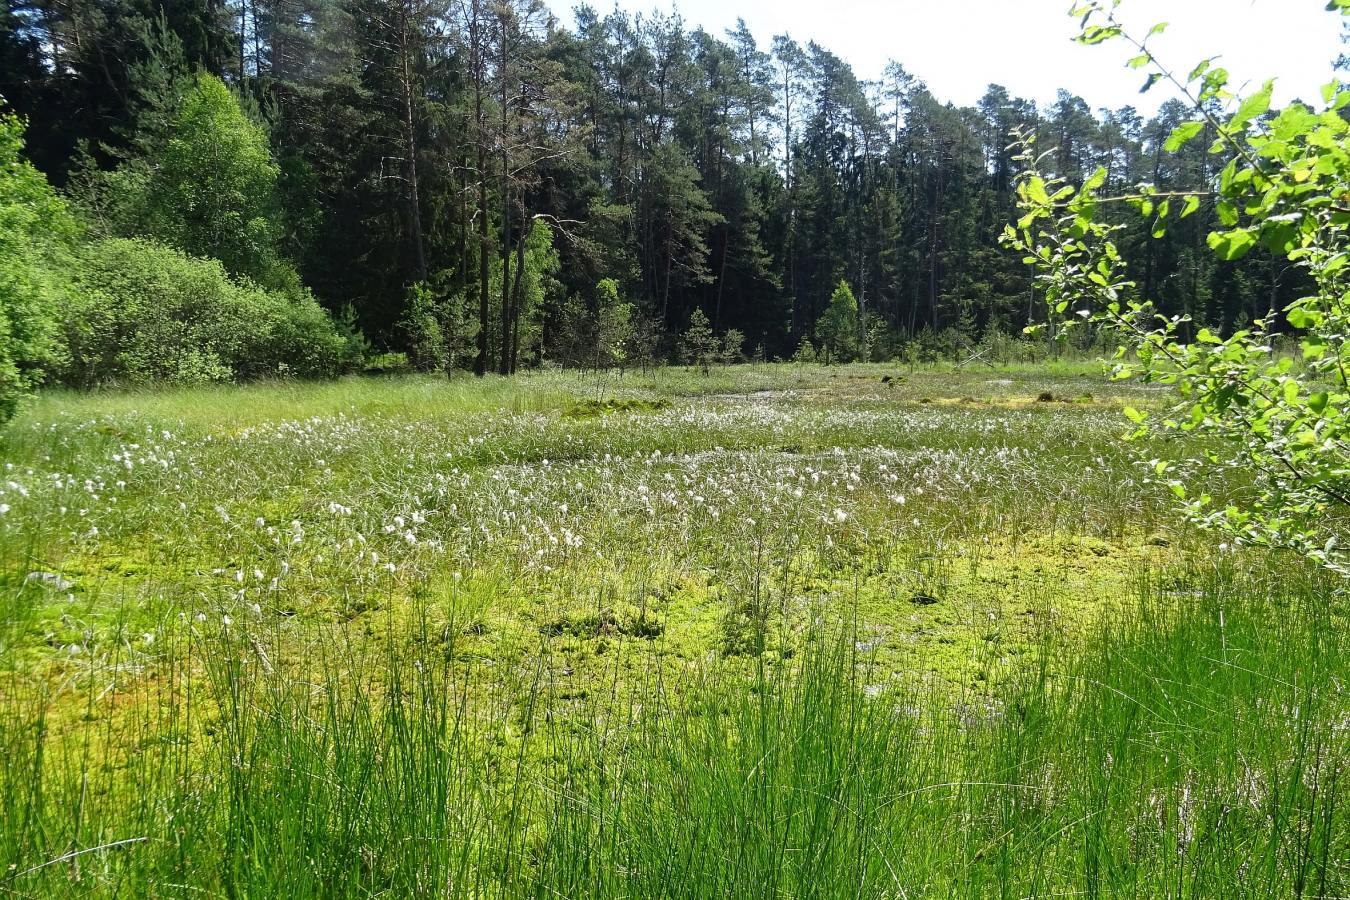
1283, 420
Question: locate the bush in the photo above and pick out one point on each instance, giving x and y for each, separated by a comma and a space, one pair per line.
733, 346
838, 326
1278, 423
206, 184
806, 351
613, 325
699, 346
142, 312
34, 231
440, 326
645, 341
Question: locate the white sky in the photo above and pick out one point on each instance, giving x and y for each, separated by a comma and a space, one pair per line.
959, 46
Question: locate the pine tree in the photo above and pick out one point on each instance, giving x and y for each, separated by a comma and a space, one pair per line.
698, 344
838, 326
419, 141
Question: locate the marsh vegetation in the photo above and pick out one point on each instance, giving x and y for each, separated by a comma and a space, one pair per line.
782, 630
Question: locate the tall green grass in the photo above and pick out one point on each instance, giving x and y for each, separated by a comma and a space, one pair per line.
1192, 746
786, 631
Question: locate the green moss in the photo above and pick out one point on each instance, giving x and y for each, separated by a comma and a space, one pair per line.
955, 591
589, 408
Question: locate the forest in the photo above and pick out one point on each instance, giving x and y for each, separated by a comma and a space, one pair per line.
479, 186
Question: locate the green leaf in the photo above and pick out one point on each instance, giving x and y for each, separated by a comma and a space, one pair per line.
1191, 205
1135, 415
1302, 317
1157, 29
1182, 135
1318, 402
1255, 105
1152, 79
1214, 82
1036, 190
1231, 245
1096, 34
1280, 236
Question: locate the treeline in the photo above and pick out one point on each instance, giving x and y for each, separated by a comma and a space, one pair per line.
201, 293
483, 188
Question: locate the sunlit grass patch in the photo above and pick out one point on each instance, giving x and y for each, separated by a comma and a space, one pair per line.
642, 636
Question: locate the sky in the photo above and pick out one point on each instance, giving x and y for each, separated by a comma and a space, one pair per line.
960, 46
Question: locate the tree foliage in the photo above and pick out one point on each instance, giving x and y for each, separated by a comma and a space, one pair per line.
145, 313
613, 325
418, 142
838, 326
213, 193
35, 228
207, 185
421, 139
1278, 421
441, 328
699, 344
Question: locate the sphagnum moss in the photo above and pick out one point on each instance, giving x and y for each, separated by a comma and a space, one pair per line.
778, 631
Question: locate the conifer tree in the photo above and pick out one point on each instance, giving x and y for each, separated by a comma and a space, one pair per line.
838, 326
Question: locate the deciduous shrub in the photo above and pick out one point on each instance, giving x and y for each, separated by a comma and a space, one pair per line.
141, 312
1279, 422
806, 351
34, 229
207, 186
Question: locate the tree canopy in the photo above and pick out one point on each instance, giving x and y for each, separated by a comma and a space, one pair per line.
372, 147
